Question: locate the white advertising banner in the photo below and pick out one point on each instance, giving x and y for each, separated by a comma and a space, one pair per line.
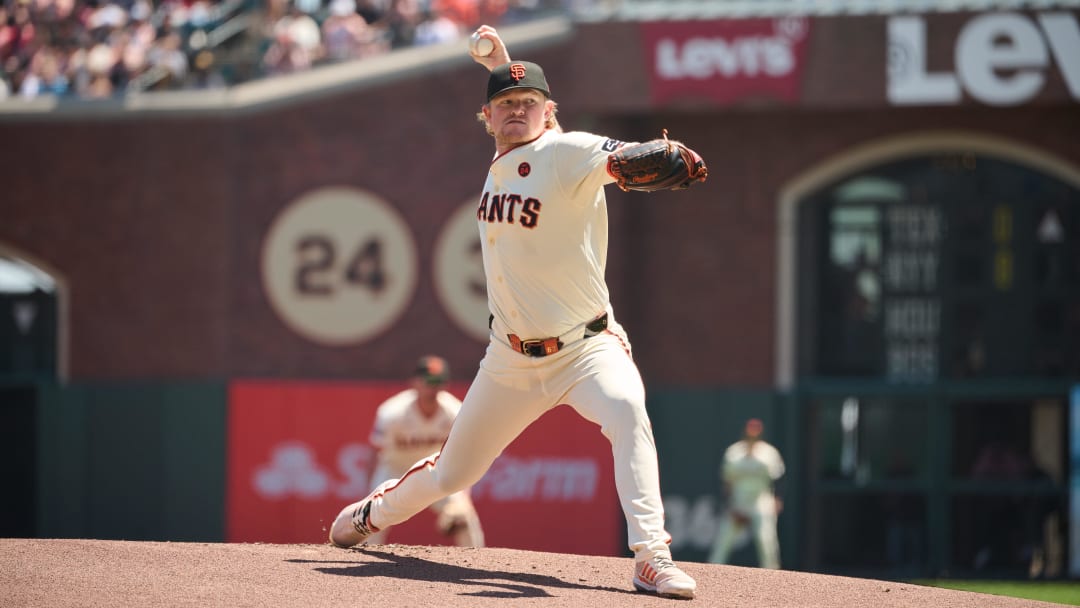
999, 59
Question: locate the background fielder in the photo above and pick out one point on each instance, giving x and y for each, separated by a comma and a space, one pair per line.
749, 472
412, 425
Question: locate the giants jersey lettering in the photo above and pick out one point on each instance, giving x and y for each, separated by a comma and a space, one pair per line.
403, 435
544, 230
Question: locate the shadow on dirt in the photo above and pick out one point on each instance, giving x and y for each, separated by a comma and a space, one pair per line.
506, 584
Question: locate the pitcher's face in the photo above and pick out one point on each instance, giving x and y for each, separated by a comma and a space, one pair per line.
518, 116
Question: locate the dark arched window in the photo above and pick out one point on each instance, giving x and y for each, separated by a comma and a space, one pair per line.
28, 321
938, 267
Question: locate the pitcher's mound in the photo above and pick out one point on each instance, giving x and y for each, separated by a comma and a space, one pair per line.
57, 573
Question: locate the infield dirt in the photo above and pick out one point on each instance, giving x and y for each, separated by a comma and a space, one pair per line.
56, 573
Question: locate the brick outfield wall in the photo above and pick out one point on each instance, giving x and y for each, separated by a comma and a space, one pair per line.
156, 223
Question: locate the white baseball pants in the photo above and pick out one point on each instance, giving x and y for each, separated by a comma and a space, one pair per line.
762, 525
598, 378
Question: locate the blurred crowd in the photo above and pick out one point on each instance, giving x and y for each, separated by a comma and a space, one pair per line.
94, 49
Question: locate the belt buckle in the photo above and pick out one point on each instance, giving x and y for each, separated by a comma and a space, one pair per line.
540, 348
533, 348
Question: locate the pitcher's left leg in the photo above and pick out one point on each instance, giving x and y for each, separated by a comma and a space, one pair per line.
610, 393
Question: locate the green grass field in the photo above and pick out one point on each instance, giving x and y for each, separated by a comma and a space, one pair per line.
1060, 592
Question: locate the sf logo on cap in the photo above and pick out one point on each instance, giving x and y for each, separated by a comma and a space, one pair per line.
517, 71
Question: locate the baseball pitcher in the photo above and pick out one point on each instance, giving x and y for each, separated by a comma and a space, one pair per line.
542, 220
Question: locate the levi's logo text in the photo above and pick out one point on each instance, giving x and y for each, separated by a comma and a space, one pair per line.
611, 145
509, 209
517, 71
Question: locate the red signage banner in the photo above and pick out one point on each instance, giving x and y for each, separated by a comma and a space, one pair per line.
724, 62
298, 452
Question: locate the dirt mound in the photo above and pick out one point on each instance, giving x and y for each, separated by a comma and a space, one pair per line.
58, 573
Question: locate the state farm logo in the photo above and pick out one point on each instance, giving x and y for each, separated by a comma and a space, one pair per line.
738, 53
539, 479
292, 471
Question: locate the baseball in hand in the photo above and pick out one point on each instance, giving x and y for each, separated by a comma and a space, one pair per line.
481, 47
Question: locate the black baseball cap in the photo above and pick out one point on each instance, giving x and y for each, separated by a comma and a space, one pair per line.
433, 370
517, 75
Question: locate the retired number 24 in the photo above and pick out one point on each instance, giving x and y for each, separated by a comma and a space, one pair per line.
317, 266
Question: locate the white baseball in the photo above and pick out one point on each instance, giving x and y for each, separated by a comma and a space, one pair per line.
481, 47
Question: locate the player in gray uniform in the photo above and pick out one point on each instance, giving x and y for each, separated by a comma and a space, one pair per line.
554, 338
750, 470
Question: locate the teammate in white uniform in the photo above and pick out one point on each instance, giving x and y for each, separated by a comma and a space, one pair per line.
542, 218
751, 468
412, 425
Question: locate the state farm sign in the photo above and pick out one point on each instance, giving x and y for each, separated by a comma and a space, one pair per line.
725, 61
298, 453
1000, 59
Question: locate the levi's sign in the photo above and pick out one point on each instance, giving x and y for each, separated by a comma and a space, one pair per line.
725, 61
1000, 59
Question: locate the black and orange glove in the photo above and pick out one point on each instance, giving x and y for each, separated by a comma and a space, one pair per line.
660, 164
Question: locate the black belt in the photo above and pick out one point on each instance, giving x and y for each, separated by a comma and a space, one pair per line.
542, 347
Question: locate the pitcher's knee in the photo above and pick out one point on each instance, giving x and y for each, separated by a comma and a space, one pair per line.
632, 423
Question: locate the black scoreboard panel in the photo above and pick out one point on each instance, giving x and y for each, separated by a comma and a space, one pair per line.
945, 266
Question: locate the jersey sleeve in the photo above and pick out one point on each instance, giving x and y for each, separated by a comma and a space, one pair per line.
581, 160
377, 439
386, 415
449, 403
727, 471
775, 463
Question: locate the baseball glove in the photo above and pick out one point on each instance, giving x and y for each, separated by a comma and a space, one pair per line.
660, 164
454, 513
740, 519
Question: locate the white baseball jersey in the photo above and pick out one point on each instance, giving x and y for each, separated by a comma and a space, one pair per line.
751, 471
404, 435
544, 276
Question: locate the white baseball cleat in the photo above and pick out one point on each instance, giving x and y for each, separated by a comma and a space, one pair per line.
353, 524
661, 576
